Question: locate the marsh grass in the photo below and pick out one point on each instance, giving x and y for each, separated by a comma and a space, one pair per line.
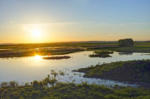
130, 71
42, 51
101, 53
49, 88
21, 50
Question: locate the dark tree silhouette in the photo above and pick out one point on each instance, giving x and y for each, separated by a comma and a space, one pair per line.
126, 43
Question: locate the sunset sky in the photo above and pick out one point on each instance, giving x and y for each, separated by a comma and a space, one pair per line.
37, 21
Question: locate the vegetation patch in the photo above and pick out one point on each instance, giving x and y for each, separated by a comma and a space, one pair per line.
57, 57
133, 49
101, 53
126, 43
49, 88
131, 71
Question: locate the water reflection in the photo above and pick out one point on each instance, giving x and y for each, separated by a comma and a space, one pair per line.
38, 57
27, 69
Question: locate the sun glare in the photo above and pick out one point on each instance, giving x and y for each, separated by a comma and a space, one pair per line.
36, 33
37, 57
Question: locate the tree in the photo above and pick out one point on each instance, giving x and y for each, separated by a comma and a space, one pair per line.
13, 84
126, 43
4, 84
35, 84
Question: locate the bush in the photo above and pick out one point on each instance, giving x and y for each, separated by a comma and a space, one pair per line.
126, 43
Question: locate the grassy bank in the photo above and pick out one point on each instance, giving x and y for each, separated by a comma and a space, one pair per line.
131, 71
133, 49
125, 49
42, 90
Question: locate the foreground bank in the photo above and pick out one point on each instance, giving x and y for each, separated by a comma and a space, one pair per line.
130, 71
41, 90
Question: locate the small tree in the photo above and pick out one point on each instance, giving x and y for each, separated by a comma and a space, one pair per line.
52, 81
54, 73
126, 43
35, 84
13, 84
4, 84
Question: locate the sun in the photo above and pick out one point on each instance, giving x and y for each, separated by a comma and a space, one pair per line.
36, 33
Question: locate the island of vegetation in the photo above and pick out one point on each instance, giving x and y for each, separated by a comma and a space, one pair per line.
101, 53
130, 71
56, 57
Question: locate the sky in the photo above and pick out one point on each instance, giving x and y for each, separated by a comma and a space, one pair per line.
39, 21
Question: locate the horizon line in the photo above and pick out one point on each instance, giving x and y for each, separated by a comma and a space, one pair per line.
92, 41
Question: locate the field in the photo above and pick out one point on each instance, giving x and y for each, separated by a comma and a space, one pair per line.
19, 50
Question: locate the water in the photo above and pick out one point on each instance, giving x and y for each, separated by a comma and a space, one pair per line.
27, 69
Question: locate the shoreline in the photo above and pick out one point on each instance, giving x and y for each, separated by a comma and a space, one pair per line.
123, 73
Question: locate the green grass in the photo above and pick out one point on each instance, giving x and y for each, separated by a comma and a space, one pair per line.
133, 49
59, 44
101, 53
42, 51
20, 50
39, 90
131, 71
72, 44
138, 47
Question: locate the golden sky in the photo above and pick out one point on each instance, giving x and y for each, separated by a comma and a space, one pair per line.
39, 21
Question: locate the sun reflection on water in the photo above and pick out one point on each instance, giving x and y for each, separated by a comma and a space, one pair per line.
38, 57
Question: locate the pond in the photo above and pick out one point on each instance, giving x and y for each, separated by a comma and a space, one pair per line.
27, 69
